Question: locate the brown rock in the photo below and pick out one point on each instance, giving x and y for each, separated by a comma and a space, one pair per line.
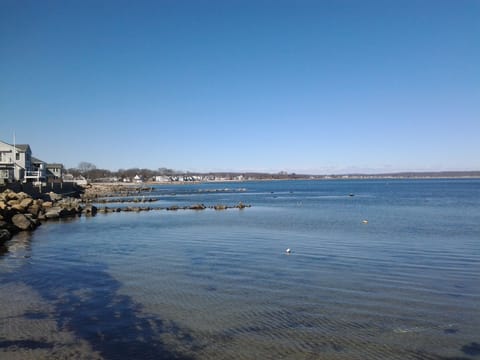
22, 222
47, 204
18, 207
13, 202
26, 202
21, 196
10, 195
34, 209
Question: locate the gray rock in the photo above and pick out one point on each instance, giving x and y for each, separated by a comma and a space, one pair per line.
55, 213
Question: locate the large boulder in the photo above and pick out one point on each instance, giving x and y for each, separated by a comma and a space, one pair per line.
10, 195
21, 196
18, 207
47, 204
12, 202
34, 209
26, 202
23, 222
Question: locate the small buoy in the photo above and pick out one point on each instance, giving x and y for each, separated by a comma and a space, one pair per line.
288, 251
365, 221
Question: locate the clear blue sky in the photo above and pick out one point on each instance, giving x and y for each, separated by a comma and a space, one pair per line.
324, 86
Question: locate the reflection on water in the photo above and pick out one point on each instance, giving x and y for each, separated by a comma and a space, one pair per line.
84, 303
218, 285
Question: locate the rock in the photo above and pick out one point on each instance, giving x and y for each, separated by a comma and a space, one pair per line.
5, 235
18, 208
3, 205
90, 210
47, 204
25, 203
55, 197
22, 222
22, 196
55, 212
34, 209
197, 207
220, 207
13, 202
241, 205
10, 195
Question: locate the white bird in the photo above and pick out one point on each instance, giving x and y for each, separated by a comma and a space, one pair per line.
288, 251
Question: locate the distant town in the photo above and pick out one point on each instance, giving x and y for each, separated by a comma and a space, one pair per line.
17, 164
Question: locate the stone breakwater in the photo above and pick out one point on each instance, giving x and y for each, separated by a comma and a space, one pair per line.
93, 192
106, 209
21, 212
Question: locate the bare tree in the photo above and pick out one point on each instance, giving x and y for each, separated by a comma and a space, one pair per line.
86, 168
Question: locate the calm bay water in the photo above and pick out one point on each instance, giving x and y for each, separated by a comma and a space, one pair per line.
219, 285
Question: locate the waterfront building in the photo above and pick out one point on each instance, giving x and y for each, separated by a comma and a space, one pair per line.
18, 164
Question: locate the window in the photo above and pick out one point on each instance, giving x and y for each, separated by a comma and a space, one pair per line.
17, 156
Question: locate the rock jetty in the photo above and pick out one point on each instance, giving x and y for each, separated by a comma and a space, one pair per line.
20, 212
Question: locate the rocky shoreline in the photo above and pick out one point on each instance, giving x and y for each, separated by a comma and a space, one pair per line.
22, 212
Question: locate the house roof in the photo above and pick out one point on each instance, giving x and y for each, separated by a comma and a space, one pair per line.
37, 161
55, 165
22, 147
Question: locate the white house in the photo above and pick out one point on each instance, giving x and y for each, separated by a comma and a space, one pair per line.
18, 164
15, 161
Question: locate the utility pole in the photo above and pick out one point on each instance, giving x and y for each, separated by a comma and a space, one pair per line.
14, 155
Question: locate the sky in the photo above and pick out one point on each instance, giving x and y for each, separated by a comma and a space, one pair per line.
319, 87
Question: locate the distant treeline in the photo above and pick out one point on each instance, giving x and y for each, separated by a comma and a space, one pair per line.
91, 172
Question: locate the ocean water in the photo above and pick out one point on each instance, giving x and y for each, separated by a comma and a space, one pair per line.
219, 285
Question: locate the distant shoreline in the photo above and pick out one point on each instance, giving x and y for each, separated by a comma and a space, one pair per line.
296, 178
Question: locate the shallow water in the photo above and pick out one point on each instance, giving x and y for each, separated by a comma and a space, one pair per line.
219, 285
